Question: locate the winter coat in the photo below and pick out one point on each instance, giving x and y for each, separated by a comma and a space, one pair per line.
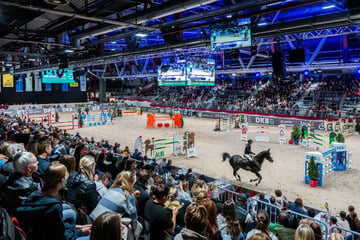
40, 216
82, 192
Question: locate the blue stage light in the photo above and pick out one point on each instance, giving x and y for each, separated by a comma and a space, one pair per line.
306, 73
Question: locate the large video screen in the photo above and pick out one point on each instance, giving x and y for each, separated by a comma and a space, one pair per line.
200, 72
172, 74
58, 76
231, 34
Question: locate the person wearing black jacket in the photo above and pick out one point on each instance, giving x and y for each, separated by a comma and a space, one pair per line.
20, 184
41, 214
140, 185
81, 189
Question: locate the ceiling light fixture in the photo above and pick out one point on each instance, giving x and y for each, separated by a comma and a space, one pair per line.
68, 50
141, 34
328, 7
57, 2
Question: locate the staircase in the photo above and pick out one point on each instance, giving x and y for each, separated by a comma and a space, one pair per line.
303, 107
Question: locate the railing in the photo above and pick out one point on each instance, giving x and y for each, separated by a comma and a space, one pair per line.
255, 204
346, 233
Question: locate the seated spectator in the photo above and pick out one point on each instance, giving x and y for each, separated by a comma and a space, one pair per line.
195, 223
262, 225
298, 207
184, 193
336, 236
44, 151
213, 192
120, 198
41, 214
106, 226
160, 220
282, 231
262, 200
343, 223
314, 225
20, 184
171, 202
198, 186
141, 186
304, 232
81, 189
135, 154
332, 225
228, 223
169, 167
102, 183
281, 200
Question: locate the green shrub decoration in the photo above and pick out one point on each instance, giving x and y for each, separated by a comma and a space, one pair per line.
313, 171
340, 138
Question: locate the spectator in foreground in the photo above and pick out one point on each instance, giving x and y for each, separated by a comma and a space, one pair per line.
106, 226
262, 225
161, 220
42, 215
304, 232
195, 223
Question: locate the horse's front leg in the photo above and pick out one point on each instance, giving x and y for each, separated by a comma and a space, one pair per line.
259, 177
236, 175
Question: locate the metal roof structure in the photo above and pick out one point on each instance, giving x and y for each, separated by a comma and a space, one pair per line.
103, 35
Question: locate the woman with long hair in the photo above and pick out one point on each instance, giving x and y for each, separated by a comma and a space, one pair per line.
212, 230
171, 201
81, 188
228, 223
262, 225
120, 198
78, 154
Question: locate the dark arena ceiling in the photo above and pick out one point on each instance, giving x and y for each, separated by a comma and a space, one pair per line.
105, 35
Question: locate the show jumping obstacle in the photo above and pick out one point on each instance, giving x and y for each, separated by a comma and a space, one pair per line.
92, 120
159, 148
154, 121
262, 135
336, 158
130, 111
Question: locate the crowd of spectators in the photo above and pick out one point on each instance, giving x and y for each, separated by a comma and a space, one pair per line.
262, 95
64, 186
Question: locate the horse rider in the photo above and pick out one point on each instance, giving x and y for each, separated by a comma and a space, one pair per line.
248, 153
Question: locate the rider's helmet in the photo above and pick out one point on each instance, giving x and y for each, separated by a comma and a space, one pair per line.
250, 141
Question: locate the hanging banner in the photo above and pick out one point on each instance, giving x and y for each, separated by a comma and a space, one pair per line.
38, 87
65, 87
82, 83
75, 84
48, 87
19, 85
8, 80
28, 82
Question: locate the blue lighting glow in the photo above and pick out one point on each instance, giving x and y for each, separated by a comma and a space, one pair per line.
306, 73
257, 74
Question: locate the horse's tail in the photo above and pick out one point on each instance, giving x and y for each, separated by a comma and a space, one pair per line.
226, 155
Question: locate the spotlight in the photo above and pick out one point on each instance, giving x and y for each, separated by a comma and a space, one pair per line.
257, 75
358, 72
306, 73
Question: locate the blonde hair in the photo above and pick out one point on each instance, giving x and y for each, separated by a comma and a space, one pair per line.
86, 166
212, 187
336, 236
126, 181
185, 185
304, 232
173, 193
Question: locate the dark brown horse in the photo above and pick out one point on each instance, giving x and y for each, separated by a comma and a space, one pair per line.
237, 162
